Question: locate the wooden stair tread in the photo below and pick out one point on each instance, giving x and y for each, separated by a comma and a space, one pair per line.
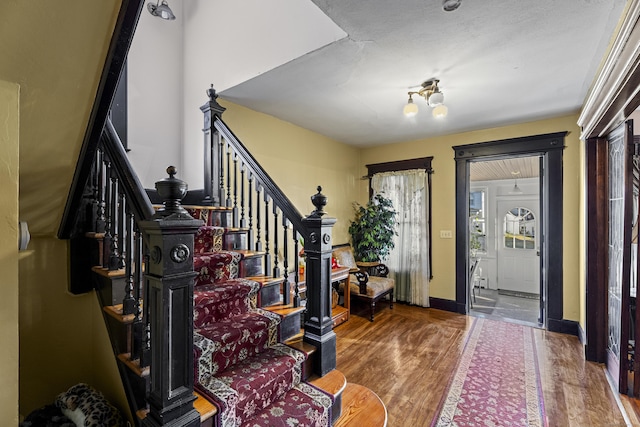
298, 342
94, 235
284, 310
134, 365
105, 272
235, 229
333, 383
266, 280
115, 311
205, 408
246, 253
361, 407
209, 208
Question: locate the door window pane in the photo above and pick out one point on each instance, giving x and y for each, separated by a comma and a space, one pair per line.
519, 229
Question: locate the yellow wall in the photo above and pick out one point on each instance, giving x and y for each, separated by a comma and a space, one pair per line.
299, 160
443, 284
9, 349
63, 339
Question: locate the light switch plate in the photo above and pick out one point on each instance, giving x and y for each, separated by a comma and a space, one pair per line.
446, 234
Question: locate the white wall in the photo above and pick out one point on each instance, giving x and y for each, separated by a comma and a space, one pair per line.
496, 190
229, 42
155, 102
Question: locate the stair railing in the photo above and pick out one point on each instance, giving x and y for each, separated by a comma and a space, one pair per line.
136, 243
234, 179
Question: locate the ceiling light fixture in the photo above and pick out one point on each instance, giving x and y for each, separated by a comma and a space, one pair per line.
450, 5
515, 189
431, 93
161, 10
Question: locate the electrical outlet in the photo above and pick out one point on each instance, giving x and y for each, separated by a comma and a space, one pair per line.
446, 234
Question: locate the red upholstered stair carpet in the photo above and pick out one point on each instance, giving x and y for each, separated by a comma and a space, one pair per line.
497, 380
251, 378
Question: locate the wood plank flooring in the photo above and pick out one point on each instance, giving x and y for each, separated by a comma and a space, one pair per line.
409, 353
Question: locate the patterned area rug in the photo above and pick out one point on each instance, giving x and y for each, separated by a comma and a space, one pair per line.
497, 380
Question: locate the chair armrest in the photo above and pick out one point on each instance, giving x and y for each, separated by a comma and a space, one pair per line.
362, 278
375, 268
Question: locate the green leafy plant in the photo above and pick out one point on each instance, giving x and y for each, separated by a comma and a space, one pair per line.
373, 228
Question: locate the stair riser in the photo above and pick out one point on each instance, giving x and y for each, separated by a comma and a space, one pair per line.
236, 240
251, 267
270, 295
289, 326
111, 289
336, 409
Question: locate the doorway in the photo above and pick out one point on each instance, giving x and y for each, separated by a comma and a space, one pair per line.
549, 147
504, 224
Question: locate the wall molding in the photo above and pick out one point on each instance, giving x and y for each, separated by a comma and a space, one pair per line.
614, 95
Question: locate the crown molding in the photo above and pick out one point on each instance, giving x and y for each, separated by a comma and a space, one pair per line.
614, 95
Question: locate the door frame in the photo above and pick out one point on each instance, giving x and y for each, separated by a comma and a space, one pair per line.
550, 147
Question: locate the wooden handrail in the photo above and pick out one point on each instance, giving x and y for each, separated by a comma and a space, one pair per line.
284, 204
114, 63
133, 189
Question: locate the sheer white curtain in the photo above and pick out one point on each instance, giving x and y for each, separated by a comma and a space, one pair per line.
409, 260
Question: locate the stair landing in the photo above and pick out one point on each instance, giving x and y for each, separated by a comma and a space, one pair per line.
361, 407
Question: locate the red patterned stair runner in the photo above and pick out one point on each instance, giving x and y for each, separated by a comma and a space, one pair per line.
241, 367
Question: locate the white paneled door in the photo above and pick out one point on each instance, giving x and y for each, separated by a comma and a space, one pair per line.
518, 246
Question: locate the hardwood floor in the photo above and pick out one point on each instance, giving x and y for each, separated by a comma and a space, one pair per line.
409, 353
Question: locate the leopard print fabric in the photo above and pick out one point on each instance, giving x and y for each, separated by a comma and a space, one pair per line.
83, 402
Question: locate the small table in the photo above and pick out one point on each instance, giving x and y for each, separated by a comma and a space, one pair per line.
339, 313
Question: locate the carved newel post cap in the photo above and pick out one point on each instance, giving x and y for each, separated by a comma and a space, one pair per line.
212, 105
172, 190
211, 93
319, 200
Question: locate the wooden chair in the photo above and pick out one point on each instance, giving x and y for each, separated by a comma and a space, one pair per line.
368, 280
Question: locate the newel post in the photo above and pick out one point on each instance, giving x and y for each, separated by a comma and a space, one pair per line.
213, 192
169, 279
318, 326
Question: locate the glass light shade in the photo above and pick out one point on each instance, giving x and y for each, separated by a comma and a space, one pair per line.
410, 109
440, 112
161, 10
515, 189
436, 99
450, 5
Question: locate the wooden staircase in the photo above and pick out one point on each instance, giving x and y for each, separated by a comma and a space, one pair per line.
143, 261
360, 403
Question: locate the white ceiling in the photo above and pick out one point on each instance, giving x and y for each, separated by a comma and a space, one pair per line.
499, 62
516, 167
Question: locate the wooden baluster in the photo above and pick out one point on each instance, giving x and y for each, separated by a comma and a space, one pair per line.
296, 262
221, 145
106, 243
258, 223
145, 350
243, 221
122, 230
286, 288
114, 257
236, 219
129, 303
138, 289
250, 213
100, 214
276, 269
228, 202
267, 255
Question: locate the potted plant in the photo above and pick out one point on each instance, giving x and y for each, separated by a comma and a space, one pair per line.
372, 229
